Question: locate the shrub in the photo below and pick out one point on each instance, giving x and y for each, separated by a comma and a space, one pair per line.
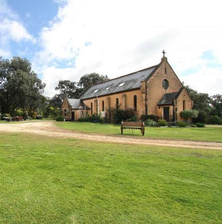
134, 118
119, 115
60, 118
189, 114
162, 122
171, 124
84, 119
200, 125
151, 123
5, 115
106, 120
214, 120
201, 118
18, 112
181, 124
94, 118
151, 117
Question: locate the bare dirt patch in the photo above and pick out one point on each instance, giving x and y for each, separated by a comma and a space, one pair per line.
49, 129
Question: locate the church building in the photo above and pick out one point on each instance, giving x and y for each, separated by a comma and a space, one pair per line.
151, 91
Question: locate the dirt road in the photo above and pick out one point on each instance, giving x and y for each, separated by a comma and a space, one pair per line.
50, 129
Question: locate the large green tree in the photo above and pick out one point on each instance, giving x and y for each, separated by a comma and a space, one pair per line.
201, 101
216, 102
19, 86
91, 79
74, 90
68, 88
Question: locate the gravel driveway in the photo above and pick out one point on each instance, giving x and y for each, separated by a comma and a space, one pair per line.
48, 128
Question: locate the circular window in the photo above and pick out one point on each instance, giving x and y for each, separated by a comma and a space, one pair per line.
165, 84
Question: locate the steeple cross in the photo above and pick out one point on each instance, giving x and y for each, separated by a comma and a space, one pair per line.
164, 53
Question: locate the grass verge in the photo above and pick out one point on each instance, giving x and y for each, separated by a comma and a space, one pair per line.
50, 180
210, 134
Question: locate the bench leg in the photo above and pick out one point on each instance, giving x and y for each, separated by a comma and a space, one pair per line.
143, 131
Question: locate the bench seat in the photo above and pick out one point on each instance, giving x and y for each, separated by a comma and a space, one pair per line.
133, 125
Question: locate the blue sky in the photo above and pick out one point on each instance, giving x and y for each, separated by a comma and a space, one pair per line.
65, 39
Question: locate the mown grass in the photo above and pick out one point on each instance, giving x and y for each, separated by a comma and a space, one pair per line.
52, 180
197, 134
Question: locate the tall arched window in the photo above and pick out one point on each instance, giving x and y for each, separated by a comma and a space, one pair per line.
117, 103
135, 102
91, 108
103, 106
184, 105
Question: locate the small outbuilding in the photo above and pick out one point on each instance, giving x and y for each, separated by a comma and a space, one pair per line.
73, 109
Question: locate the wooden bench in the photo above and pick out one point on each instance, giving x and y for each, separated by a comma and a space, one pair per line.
133, 125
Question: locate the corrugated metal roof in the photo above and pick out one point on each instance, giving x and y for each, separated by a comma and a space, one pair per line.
123, 83
168, 98
77, 104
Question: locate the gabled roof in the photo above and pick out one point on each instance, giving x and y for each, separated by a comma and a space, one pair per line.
168, 98
120, 84
77, 104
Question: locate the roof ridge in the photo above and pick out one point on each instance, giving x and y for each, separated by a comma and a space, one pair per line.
125, 75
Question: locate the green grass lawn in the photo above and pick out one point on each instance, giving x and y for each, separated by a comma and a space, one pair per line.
52, 180
197, 134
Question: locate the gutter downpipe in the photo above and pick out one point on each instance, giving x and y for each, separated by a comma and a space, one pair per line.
98, 105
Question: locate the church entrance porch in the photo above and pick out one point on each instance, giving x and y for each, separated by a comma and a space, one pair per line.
166, 113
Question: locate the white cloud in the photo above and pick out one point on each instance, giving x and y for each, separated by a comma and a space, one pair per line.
5, 10
206, 80
5, 53
129, 35
52, 76
11, 29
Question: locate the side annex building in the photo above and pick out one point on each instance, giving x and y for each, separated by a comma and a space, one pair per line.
152, 91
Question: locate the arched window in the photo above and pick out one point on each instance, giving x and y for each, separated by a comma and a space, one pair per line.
184, 104
135, 102
91, 108
103, 106
117, 103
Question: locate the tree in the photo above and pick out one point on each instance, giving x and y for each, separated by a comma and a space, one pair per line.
19, 86
201, 101
91, 79
68, 88
216, 102
52, 106
56, 101
74, 90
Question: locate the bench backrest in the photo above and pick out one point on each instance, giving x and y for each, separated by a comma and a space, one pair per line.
136, 124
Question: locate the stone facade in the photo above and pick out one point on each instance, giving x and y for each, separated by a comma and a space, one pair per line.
147, 97
72, 111
102, 105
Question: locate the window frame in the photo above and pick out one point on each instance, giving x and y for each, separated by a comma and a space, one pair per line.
165, 84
